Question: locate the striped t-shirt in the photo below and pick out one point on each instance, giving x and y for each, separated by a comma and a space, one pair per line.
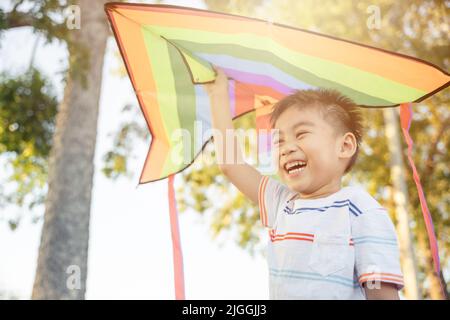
326, 248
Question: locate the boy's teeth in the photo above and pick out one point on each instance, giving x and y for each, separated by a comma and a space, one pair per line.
296, 170
294, 163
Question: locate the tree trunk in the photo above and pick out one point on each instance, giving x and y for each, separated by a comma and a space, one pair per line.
400, 193
62, 264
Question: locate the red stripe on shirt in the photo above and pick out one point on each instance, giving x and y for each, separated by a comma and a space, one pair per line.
295, 236
262, 207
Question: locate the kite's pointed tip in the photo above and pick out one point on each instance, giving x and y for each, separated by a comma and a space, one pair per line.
110, 6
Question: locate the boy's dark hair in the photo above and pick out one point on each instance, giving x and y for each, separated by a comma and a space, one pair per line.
340, 111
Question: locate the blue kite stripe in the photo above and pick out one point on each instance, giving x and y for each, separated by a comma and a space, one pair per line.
314, 276
336, 204
255, 68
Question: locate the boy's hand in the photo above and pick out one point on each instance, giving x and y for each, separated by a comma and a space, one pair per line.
220, 86
243, 176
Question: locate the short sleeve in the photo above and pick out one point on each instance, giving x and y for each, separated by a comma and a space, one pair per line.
271, 194
377, 256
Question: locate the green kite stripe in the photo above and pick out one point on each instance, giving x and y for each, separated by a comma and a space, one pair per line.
371, 84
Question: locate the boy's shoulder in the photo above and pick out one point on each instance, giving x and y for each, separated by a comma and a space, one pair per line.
361, 198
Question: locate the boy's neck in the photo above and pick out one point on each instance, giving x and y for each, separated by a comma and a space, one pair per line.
322, 192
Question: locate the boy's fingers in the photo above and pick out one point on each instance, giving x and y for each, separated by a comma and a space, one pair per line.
218, 70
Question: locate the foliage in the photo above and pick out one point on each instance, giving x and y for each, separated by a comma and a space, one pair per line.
28, 107
116, 160
44, 16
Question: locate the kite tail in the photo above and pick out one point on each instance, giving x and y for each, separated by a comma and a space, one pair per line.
176, 243
405, 119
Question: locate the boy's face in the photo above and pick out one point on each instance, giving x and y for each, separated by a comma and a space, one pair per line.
310, 155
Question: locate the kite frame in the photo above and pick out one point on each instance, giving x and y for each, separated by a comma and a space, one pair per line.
109, 7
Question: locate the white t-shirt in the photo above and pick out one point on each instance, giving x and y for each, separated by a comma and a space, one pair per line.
327, 248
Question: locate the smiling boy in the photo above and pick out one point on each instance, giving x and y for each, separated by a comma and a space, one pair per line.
326, 241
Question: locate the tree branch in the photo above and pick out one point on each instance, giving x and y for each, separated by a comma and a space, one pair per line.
17, 19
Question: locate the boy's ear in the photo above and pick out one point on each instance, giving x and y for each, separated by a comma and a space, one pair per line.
348, 145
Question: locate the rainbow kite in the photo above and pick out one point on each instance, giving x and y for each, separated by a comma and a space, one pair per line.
169, 50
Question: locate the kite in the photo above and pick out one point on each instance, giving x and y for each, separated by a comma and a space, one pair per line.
169, 51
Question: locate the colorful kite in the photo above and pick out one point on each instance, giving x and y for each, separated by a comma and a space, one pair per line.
169, 50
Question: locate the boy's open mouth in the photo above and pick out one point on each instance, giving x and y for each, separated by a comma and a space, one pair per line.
294, 167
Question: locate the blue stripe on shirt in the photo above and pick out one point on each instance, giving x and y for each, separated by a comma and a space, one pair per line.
375, 240
314, 276
336, 204
351, 205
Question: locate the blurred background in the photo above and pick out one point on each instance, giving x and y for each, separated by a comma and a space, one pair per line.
60, 57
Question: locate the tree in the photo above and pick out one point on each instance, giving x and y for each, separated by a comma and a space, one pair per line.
65, 234
401, 200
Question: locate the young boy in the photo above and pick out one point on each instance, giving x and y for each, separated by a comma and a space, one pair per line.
326, 241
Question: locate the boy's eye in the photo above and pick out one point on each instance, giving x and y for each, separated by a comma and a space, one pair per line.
277, 142
300, 134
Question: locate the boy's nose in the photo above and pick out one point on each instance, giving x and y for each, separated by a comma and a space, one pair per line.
288, 149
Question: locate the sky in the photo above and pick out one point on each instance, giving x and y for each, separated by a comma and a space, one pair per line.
130, 251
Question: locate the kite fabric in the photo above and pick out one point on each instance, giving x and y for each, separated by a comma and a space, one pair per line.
169, 51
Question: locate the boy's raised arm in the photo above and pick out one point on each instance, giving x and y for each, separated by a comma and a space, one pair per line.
242, 175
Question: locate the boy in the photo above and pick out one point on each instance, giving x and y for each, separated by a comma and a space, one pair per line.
326, 241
